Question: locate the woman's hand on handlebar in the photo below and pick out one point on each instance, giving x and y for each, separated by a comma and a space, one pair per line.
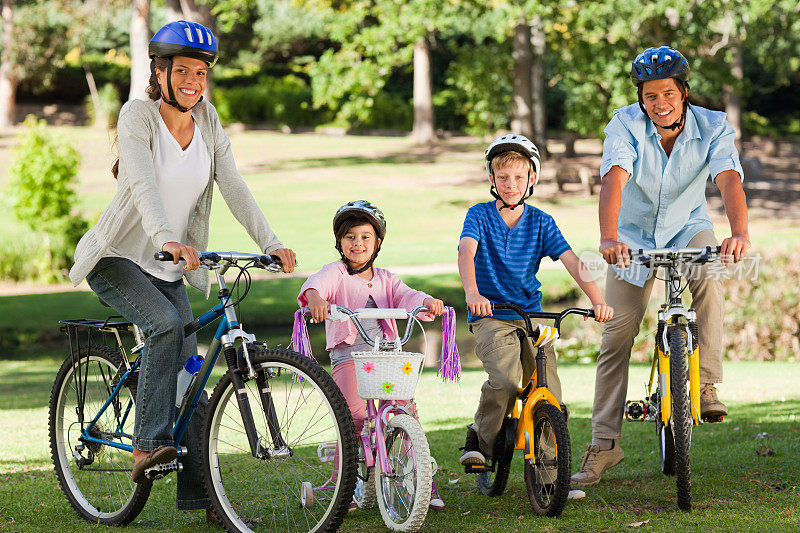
316, 306
287, 257
478, 305
182, 251
435, 306
602, 312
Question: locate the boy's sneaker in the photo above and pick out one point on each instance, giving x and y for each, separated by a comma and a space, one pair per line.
437, 504
472, 451
710, 406
596, 461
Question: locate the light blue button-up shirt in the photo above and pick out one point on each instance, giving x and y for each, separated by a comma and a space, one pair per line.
664, 201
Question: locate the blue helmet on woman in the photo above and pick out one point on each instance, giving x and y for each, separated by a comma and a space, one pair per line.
662, 63
182, 38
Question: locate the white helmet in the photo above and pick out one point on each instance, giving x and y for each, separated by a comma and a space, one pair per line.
523, 146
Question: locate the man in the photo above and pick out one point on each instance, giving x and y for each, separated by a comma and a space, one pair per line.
657, 156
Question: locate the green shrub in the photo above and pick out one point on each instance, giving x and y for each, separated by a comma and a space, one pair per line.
110, 105
276, 101
41, 193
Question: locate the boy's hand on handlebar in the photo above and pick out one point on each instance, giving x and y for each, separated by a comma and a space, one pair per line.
615, 253
287, 257
602, 312
182, 251
734, 247
316, 306
435, 306
478, 305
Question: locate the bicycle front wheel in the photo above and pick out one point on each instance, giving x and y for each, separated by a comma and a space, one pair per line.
305, 472
404, 494
681, 422
547, 480
95, 477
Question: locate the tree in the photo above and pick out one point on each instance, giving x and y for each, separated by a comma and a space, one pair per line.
140, 38
8, 77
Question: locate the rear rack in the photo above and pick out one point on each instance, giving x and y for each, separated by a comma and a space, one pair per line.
88, 331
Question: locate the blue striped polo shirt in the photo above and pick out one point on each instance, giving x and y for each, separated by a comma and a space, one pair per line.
507, 260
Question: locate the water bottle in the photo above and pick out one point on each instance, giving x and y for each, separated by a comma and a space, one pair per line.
186, 375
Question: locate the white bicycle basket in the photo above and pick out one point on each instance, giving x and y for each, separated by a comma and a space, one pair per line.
387, 375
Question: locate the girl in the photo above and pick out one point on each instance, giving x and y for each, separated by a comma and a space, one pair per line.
359, 228
171, 152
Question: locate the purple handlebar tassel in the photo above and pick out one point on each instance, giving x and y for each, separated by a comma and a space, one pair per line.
300, 342
450, 362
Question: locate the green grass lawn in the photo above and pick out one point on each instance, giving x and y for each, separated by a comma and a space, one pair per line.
746, 470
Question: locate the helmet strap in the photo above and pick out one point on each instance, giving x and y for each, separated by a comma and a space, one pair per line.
172, 101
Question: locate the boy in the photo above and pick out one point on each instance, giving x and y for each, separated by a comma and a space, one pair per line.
501, 246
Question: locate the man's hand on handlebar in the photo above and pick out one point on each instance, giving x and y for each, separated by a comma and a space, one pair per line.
182, 251
435, 306
478, 305
734, 247
615, 253
602, 312
288, 259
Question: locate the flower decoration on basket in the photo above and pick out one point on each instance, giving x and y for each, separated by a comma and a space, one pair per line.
407, 368
387, 387
368, 367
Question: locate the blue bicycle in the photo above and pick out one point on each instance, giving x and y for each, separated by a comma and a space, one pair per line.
276, 422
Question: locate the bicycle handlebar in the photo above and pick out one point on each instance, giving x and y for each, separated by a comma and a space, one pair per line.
213, 259
556, 317
670, 256
338, 313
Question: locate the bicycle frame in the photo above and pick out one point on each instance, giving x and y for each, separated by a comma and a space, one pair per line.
227, 334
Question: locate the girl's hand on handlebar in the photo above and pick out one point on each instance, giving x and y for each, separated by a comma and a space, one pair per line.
478, 305
436, 307
287, 257
602, 312
182, 251
316, 306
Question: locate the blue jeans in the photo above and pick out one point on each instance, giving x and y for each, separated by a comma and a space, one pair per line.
160, 308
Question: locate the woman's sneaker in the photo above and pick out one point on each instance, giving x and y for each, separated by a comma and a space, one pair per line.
472, 451
437, 504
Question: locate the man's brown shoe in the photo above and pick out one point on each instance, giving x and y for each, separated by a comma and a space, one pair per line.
710, 406
162, 454
596, 461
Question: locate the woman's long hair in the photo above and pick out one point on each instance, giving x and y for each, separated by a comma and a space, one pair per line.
153, 91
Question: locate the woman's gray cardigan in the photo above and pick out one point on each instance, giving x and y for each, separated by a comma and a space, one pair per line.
137, 131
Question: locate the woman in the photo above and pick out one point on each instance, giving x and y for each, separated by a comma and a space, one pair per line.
171, 152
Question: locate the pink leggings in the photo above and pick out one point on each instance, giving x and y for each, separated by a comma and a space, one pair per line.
344, 374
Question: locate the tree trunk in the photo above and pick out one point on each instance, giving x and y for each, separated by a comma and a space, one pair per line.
522, 114
140, 37
424, 131
8, 79
538, 85
101, 119
174, 10
733, 100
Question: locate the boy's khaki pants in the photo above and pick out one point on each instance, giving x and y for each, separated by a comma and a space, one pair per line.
506, 358
630, 303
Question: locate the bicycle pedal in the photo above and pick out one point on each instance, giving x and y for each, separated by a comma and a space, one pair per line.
475, 469
163, 469
713, 418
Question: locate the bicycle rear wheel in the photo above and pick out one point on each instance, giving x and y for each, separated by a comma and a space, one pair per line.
95, 477
547, 480
404, 495
681, 421
494, 483
264, 494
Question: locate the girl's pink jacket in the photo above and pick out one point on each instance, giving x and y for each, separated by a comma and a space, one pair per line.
336, 286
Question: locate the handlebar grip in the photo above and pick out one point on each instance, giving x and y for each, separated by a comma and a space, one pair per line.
386, 314
163, 256
271, 260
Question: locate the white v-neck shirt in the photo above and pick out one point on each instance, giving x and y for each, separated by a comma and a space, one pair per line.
181, 177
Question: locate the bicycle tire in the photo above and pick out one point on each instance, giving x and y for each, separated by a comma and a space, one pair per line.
364, 494
552, 449
494, 483
681, 421
666, 443
97, 483
250, 494
404, 496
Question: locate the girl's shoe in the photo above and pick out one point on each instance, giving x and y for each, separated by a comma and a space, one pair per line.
437, 504
353, 506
